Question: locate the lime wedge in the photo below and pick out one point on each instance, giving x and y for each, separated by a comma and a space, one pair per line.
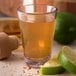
51, 67
67, 58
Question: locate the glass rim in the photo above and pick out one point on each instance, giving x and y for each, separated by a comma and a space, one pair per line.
54, 11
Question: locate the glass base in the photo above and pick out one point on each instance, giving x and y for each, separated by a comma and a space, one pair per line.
36, 64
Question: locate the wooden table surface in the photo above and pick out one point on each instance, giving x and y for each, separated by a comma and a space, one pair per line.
15, 65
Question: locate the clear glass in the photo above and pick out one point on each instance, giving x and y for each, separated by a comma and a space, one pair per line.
37, 24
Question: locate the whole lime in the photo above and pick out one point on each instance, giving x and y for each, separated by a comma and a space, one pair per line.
65, 28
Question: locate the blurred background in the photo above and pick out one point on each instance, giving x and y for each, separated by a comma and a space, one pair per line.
8, 12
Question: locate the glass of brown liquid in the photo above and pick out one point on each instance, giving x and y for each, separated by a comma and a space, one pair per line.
37, 24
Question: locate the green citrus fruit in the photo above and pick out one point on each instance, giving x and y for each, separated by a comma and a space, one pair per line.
67, 58
51, 67
65, 32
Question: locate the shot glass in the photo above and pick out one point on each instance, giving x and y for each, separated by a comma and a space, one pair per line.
37, 24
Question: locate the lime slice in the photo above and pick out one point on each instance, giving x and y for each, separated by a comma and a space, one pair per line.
67, 58
51, 67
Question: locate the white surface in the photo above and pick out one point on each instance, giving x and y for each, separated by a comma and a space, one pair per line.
15, 65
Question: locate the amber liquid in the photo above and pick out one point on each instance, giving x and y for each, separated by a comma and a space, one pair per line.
37, 39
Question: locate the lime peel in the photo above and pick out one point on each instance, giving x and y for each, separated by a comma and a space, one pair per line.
65, 32
66, 59
51, 67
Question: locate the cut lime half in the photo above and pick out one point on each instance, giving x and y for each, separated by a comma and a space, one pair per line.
51, 67
67, 58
